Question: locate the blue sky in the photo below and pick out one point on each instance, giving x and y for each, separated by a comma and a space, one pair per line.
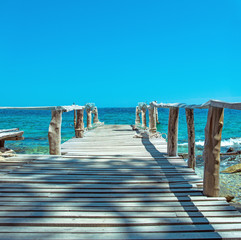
118, 53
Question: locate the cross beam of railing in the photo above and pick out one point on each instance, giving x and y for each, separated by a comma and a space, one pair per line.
52, 108
210, 103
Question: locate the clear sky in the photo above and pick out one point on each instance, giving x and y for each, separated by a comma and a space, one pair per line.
119, 52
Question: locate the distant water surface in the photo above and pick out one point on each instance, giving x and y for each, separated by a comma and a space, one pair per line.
35, 126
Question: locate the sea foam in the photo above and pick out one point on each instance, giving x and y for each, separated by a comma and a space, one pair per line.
231, 142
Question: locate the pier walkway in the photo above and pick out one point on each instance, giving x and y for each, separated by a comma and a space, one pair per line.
109, 185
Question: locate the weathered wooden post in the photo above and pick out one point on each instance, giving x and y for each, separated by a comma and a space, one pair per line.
172, 131
157, 118
152, 119
96, 118
54, 134
191, 138
2, 143
211, 154
75, 118
143, 116
80, 126
138, 119
89, 117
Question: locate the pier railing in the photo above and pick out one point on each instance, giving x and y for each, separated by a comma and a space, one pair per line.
54, 133
213, 134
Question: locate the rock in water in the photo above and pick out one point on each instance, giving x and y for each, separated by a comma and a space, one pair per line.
6, 152
233, 169
230, 150
229, 198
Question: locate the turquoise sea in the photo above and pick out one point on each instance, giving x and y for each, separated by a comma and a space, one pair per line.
35, 126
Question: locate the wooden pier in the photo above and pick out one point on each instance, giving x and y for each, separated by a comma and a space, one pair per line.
110, 185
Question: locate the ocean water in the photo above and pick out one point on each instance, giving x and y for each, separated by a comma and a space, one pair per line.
35, 126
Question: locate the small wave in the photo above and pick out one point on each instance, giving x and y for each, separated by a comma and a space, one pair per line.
200, 143
183, 144
232, 142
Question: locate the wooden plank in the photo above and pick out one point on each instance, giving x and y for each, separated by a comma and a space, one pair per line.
98, 171
78, 193
155, 187
114, 214
91, 181
4, 135
20, 208
173, 177
118, 236
77, 198
115, 221
126, 229
8, 130
102, 189
72, 202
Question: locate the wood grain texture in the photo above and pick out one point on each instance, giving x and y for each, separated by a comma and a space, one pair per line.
211, 155
89, 118
152, 119
191, 138
138, 118
143, 118
79, 126
96, 116
172, 131
54, 134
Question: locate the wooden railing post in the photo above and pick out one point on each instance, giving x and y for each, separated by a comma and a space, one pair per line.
75, 118
80, 126
157, 118
138, 119
96, 118
54, 134
172, 131
143, 116
191, 138
152, 119
89, 118
2, 142
211, 154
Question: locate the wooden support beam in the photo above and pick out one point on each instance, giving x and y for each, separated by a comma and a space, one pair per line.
152, 119
54, 134
172, 131
211, 154
157, 118
89, 118
2, 142
96, 117
143, 116
74, 118
14, 138
138, 118
191, 138
80, 126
